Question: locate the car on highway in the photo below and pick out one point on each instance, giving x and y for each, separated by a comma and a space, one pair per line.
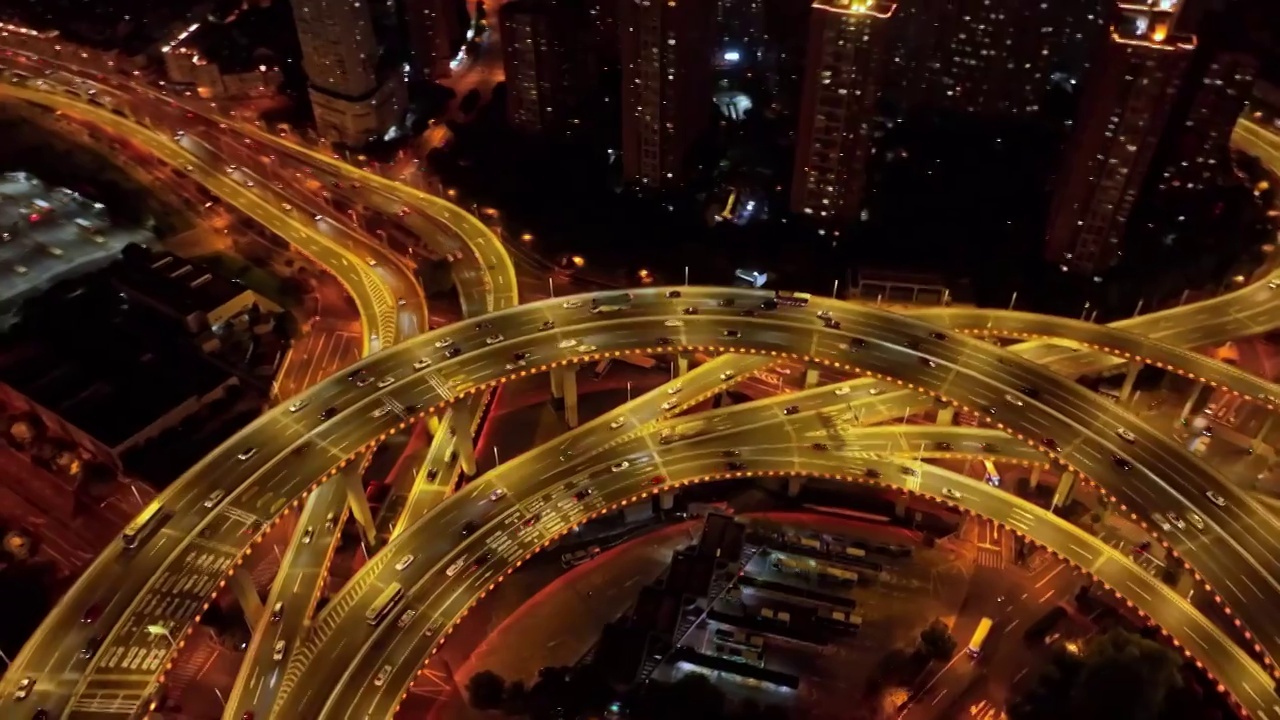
670, 404
689, 311
1051, 444
231, 169
657, 480
990, 447
405, 562
617, 423
331, 521
927, 362
620, 466
872, 473
856, 342
587, 348
387, 381
455, 567
400, 301
547, 325
824, 314
673, 293
433, 627
874, 391
531, 520
843, 390
406, 617
736, 465
747, 312
732, 334
726, 302
371, 261
1196, 521
938, 336
1121, 462
363, 378
674, 389
248, 183
674, 322
909, 471
453, 352
1126, 435
247, 453
583, 494
567, 343
286, 206
91, 614
497, 495
1029, 391
571, 304
494, 339
1161, 521
943, 445
1013, 399
820, 446
91, 648
308, 535
1215, 498
791, 410
214, 498
25, 686
727, 375
730, 453
481, 560
444, 342
769, 304
832, 324
328, 414
382, 676
1176, 521
514, 365
421, 363
297, 405
469, 527
277, 611
951, 493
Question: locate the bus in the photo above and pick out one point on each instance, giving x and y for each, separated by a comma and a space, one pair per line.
796, 299
979, 637
147, 520
611, 303
385, 603
990, 475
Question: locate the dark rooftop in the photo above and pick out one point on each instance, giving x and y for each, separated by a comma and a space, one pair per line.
172, 282
105, 366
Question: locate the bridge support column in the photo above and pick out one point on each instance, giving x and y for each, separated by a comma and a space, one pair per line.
682, 364
1066, 487
569, 384
557, 383
946, 416
900, 506
242, 585
1034, 481
667, 499
810, 378
1130, 376
794, 486
1193, 400
359, 505
1258, 443
463, 443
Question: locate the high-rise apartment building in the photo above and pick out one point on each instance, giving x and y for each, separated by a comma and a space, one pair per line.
842, 78
1127, 96
435, 31
1196, 148
666, 49
357, 93
543, 46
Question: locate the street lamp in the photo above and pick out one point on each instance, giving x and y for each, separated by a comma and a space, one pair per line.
161, 631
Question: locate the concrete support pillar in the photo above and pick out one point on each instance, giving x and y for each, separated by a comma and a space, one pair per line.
946, 416
1192, 400
569, 384
557, 383
810, 378
682, 364
463, 443
1035, 477
1066, 486
1130, 376
900, 506
667, 499
242, 585
1258, 444
794, 485
359, 505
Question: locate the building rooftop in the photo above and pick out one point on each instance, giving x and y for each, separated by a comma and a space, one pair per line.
104, 365
179, 285
50, 235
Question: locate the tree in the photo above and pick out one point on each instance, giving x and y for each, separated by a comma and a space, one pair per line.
936, 642
1120, 676
486, 690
